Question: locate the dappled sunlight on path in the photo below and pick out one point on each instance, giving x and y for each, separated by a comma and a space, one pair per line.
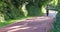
33, 24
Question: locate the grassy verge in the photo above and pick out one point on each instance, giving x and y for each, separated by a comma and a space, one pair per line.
2, 24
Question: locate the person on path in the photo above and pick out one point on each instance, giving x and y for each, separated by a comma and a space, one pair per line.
47, 10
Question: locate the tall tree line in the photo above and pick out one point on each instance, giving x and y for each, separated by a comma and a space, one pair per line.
12, 9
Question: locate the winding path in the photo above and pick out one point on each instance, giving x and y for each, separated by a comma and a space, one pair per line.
33, 24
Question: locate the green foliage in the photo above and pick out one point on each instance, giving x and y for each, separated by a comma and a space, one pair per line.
33, 10
12, 9
57, 21
56, 24
9, 10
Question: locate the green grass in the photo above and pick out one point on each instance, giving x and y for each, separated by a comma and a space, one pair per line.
2, 24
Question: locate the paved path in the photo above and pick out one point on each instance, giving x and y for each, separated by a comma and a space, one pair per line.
36, 24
